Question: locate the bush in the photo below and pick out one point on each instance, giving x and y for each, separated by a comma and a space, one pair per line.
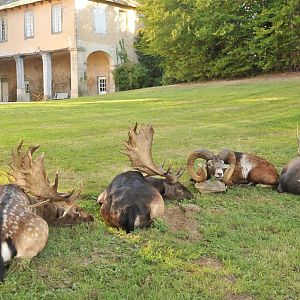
129, 76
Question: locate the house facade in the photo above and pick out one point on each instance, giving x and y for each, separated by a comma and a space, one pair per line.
52, 48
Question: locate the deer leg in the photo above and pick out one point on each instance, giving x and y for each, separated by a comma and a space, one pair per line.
19, 264
268, 177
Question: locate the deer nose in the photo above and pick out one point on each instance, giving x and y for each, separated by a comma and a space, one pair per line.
219, 174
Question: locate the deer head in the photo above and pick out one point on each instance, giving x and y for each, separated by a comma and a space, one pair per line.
139, 151
55, 207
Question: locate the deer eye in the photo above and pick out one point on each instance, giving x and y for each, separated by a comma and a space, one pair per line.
179, 189
76, 211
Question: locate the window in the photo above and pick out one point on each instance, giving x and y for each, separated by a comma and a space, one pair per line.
56, 18
102, 85
100, 20
3, 29
123, 20
27, 89
28, 24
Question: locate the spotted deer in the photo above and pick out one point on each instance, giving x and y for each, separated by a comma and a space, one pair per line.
133, 200
28, 204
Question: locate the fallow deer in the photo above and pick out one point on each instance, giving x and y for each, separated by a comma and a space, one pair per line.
27, 204
289, 179
132, 200
232, 168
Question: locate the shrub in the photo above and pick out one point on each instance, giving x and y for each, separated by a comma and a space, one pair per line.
129, 76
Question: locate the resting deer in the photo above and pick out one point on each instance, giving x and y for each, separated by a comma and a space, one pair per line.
232, 168
132, 200
28, 204
289, 180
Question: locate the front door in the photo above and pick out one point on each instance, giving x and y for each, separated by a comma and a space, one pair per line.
3, 90
101, 85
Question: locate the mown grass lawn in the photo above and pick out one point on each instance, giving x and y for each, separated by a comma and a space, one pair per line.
248, 242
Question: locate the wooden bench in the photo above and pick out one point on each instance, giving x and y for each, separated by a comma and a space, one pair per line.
60, 96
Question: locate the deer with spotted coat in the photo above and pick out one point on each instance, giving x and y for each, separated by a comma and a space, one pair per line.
289, 179
133, 200
232, 168
28, 204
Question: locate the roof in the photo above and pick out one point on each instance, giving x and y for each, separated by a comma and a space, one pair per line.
123, 2
6, 4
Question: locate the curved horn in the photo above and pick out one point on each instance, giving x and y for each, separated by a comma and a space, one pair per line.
199, 153
229, 157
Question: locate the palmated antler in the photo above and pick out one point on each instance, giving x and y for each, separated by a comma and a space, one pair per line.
31, 176
138, 149
298, 138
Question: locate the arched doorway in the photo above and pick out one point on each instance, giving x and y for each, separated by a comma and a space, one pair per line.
99, 77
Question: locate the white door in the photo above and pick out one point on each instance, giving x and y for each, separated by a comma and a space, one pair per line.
3, 90
101, 85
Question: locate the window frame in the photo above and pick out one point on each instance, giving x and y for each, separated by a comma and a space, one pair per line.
123, 20
52, 18
3, 18
101, 85
26, 23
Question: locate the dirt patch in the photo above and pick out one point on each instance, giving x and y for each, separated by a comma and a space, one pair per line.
213, 263
181, 218
231, 278
239, 297
216, 211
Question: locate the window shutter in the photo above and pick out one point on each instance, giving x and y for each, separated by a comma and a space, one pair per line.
100, 20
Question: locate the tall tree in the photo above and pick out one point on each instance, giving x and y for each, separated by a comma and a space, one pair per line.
203, 39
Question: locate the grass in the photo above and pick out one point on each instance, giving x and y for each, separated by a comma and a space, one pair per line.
250, 236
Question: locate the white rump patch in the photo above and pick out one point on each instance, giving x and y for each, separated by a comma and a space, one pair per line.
137, 221
6, 252
246, 166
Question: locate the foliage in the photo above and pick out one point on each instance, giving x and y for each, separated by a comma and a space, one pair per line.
151, 62
252, 232
121, 53
129, 76
222, 39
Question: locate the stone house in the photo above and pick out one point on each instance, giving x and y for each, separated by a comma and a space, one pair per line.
62, 48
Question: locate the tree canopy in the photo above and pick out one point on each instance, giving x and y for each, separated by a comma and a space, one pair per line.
206, 39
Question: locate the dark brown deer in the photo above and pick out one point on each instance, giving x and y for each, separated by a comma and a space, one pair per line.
232, 168
27, 204
289, 179
132, 200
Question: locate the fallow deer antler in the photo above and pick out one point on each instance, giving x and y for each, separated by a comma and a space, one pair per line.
31, 176
139, 151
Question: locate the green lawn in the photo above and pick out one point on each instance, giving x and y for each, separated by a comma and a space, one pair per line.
248, 242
